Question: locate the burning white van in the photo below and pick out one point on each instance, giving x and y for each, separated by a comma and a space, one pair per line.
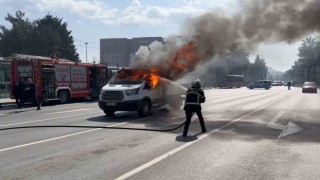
139, 90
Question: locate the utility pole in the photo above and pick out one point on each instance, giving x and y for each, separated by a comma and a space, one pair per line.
86, 52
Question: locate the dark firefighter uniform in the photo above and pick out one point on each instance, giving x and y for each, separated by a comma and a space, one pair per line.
289, 84
30, 92
194, 98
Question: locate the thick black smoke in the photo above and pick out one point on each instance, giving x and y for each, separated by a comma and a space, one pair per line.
214, 33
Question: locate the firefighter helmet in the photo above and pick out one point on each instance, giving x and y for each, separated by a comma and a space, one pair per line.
196, 83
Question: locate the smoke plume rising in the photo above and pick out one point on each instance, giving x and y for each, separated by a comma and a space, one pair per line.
211, 34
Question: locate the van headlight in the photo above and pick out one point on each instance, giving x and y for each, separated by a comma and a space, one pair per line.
132, 92
100, 95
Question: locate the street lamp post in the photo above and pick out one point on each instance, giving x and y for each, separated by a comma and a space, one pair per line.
86, 52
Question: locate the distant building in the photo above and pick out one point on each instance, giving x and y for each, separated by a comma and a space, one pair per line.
117, 51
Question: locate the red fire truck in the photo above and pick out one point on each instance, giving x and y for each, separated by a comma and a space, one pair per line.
59, 79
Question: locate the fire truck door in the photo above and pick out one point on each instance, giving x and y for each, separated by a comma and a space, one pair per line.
48, 83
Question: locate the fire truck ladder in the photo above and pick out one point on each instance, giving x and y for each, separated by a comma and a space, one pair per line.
36, 74
35, 71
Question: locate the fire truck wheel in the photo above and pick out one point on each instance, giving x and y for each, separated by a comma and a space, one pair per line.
144, 109
63, 96
109, 112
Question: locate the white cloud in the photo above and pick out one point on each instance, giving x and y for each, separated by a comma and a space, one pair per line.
134, 13
146, 14
88, 9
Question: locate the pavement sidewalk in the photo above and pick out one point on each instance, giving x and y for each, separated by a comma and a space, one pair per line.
7, 101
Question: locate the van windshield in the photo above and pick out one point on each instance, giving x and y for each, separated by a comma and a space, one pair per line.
127, 76
309, 84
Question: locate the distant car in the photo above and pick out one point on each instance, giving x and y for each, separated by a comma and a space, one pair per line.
277, 83
260, 84
309, 87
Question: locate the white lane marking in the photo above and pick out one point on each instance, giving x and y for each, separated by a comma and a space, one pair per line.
66, 107
41, 120
67, 111
272, 123
61, 137
170, 153
290, 128
65, 136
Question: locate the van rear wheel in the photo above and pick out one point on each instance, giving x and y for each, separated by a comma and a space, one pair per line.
144, 109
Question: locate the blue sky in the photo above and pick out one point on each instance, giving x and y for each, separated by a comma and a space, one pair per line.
93, 20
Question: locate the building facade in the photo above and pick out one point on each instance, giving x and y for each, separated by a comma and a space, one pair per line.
117, 51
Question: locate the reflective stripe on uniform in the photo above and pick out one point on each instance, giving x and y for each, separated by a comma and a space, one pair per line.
198, 99
194, 93
192, 103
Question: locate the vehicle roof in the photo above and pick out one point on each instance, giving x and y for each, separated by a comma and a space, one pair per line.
24, 57
309, 82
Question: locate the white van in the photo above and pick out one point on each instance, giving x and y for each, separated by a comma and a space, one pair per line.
134, 93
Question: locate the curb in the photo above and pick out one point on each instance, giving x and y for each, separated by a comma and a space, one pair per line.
8, 103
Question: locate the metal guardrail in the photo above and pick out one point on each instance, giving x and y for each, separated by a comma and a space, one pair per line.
5, 88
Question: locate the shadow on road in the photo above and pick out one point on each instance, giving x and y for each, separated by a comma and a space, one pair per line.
180, 138
159, 119
251, 131
242, 130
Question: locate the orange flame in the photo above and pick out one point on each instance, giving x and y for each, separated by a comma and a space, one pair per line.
151, 76
154, 79
184, 60
185, 57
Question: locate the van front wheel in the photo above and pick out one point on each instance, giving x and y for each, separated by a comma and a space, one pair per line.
144, 109
109, 112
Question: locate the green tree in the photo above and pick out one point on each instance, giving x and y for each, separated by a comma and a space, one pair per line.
43, 37
237, 60
307, 67
257, 70
308, 57
16, 39
53, 37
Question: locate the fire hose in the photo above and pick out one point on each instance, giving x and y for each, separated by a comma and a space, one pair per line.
93, 127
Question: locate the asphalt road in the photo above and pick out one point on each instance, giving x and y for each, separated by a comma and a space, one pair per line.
252, 134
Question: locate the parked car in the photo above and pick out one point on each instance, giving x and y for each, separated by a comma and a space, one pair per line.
266, 84
277, 83
309, 87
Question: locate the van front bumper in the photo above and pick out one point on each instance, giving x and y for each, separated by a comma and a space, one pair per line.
120, 106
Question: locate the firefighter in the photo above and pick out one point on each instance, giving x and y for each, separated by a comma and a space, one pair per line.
30, 92
289, 84
17, 91
194, 98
